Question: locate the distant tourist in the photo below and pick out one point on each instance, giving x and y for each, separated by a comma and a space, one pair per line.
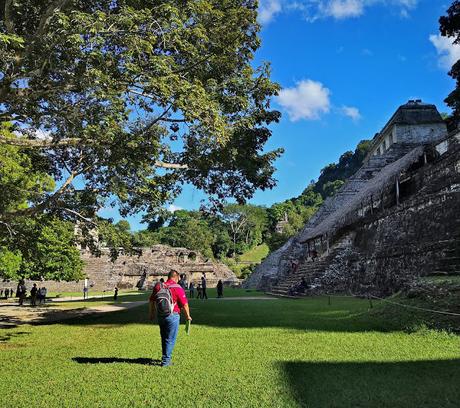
191, 290
199, 290
33, 295
115, 294
203, 287
7, 293
183, 282
11, 293
1, 292
85, 292
21, 292
314, 255
220, 289
298, 288
166, 302
43, 291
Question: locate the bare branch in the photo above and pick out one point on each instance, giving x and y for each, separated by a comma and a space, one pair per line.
10, 230
44, 204
52, 8
175, 166
77, 214
43, 143
8, 22
30, 143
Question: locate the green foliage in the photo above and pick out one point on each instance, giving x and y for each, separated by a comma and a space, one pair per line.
10, 263
47, 250
449, 26
22, 179
39, 247
137, 98
246, 225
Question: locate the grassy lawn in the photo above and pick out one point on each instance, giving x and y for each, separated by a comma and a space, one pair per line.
253, 256
138, 296
242, 353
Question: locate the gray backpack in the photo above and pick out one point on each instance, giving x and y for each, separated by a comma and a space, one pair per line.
164, 300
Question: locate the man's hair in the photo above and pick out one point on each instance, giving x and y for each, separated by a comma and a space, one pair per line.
172, 273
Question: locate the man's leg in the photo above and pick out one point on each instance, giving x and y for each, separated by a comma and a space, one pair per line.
172, 328
163, 334
205, 295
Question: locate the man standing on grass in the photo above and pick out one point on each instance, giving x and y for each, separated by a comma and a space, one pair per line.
166, 301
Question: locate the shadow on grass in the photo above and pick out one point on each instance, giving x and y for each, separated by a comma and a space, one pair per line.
310, 314
8, 336
110, 360
373, 384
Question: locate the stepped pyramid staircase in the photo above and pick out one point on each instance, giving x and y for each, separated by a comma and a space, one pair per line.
309, 270
357, 181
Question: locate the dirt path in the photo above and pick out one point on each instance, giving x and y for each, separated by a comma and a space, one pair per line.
14, 315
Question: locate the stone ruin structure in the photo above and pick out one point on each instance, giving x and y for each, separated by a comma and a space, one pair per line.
397, 218
143, 270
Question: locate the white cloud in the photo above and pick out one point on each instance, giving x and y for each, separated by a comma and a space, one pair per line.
448, 52
42, 134
313, 10
268, 9
173, 208
307, 100
351, 112
341, 9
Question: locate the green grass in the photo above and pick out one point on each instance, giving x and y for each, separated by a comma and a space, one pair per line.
91, 293
242, 353
137, 296
253, 256
256, 254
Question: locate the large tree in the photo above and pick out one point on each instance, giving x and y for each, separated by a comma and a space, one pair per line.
127, 100
450, 27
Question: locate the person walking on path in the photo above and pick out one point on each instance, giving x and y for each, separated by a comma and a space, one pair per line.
191, 290
115, 294
166, 301
203, 288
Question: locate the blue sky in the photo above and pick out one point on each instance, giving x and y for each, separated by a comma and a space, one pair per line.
344, 67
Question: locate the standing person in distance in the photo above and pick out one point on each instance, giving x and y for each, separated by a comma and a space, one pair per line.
203, 288
166, 302
220, 289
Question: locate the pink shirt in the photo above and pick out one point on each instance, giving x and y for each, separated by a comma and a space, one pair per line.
178, 294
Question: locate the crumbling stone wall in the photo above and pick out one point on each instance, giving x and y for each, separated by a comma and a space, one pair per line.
418, 237
131, 271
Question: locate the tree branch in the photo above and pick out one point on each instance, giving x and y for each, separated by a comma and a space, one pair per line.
55, 6
30, 143
43, 143
77, 214
175, 166
8, 22
10, 230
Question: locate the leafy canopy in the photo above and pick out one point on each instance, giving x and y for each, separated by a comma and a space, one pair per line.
134, 99
450, 27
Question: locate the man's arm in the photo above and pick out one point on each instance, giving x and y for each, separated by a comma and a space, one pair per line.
152, 309
186, 310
